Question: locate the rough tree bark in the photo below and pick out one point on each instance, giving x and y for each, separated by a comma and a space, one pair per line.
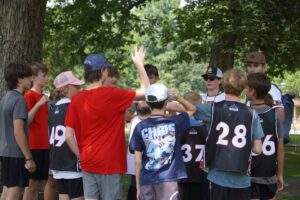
222, 54
21, 33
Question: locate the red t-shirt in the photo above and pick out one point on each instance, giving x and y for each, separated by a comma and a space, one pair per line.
98, 118
38, 129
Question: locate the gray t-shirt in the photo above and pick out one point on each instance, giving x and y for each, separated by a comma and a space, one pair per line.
12, 107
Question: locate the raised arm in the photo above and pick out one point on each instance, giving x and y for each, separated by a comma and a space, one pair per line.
189, 108
138, 58
35, 108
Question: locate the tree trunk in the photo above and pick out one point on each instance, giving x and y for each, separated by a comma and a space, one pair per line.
21, 33
222, 52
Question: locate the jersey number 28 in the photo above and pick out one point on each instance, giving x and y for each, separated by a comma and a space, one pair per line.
239, 138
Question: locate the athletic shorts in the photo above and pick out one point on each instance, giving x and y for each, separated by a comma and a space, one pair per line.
131, 194
194, 191
161, 191
96, 186
41, 158
71, 187
224, 193
263, 191
14, 173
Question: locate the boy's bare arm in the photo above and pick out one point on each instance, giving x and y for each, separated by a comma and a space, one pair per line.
35, 108
71, 141
23, 144
138, 168
190, 108
257, 146
281, 113
138, 58
280, 161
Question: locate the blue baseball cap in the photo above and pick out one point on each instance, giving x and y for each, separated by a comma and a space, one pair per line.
96, 61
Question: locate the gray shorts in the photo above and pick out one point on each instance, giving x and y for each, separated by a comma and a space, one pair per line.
161, 191
101, 186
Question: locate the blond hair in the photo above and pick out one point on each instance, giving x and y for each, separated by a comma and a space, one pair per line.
234, 82
193, 97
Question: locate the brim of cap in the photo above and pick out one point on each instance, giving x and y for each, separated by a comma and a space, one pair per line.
78, 82
210, 75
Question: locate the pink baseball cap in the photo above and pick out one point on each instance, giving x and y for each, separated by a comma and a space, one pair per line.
66, 78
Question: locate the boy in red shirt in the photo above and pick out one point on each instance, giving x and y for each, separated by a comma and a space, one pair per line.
38, 129
97, 117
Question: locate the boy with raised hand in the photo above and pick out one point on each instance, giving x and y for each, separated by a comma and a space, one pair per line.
96, 116
155, 140
235, 130
264, 167
196, 185
16, 159
38, 124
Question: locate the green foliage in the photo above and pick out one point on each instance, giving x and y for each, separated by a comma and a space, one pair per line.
292, 81
270, 26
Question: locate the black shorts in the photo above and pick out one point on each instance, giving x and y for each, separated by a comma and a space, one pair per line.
41, 158
131, 194
71, 187
263, 191
14, 173
194, 191
224, 193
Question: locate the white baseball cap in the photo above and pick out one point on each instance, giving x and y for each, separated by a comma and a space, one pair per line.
156, 93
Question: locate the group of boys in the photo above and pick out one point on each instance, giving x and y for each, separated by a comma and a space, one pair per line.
171, 153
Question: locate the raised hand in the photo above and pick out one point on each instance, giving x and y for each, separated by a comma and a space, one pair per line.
43, 100
138, 56
174, 93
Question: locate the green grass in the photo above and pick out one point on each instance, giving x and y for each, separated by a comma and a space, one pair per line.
292, 158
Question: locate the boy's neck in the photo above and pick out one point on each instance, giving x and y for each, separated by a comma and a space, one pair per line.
158, 112
20, 89
231, 97
257, 103
95, 85
213, 92
37, 88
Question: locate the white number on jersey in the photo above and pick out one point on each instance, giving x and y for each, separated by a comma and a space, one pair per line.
58, 134
187, 156
239, 139
268, 146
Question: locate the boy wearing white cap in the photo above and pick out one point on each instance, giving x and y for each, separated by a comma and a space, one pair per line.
63, 162
155, 140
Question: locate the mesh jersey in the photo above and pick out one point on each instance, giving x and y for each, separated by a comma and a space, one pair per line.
264, 165
228, 144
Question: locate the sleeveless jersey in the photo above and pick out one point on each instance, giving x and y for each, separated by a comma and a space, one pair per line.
264, 165
193, 152
61, 156
228, 145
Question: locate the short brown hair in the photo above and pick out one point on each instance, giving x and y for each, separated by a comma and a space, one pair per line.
193, 97
38, 67
113, 72
13, 72
261, 84
234, 82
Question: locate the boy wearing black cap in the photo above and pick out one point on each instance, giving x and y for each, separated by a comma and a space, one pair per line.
96, 117
256, 63
158, 157
212, 79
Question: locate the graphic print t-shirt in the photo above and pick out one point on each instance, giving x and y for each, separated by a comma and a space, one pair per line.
158, 139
